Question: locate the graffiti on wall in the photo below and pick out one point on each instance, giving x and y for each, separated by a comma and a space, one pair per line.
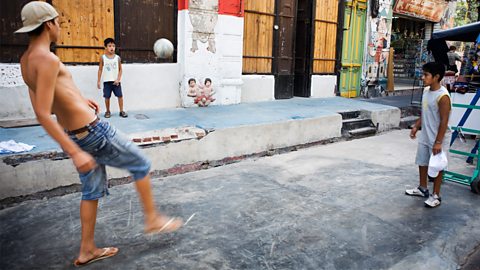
379, 39
202, 94
203, 16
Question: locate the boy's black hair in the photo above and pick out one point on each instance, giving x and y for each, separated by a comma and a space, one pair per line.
208, 80
39, 30
107, 41
453, 48
435, 68
191, 80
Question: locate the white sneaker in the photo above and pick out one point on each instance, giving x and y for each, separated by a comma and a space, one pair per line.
433, 201
418, 191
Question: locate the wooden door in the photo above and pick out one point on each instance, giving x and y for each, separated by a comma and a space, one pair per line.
12, 45
258, 36
326, 37
353, 46
138, 24
84, 25
284, 48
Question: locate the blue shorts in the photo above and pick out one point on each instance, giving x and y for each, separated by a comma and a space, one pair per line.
109, 87
108, 147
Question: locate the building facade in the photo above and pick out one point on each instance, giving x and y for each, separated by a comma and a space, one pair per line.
251, 50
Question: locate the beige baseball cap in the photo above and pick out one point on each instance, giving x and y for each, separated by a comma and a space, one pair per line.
34, 14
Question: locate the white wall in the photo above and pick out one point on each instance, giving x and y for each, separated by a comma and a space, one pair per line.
145, 87
257, 88
323, 86
224, 66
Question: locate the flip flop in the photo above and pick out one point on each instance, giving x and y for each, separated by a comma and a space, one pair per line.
165, 228
107, 253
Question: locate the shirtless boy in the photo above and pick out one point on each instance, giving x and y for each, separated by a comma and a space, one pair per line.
91, 143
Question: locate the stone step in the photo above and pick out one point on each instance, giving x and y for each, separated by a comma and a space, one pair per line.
350, 124
362, 132
350, 115
408, 121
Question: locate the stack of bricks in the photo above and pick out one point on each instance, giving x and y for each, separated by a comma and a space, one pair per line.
165, 139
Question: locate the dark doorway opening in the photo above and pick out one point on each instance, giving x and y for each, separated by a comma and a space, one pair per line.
303, 48
293, 48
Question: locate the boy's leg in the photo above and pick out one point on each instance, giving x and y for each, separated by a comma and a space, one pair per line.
88, 249
423, 173
421, 160
88, 217
120, 104
107, 105
107, 94
154, 221
438, 183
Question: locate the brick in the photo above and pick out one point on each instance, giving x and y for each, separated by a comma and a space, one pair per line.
137, 140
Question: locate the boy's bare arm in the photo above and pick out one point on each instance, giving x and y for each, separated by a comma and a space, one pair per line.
413, 132
42, 101
100, 69
119, 78
444, 107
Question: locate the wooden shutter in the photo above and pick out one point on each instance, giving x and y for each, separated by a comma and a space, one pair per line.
258, 36
84, 25
326, 23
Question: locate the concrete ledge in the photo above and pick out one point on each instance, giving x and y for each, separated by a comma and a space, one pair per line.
54, 170
385, 119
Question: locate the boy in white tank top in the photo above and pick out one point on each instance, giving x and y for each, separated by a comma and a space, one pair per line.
110, 67
435, 134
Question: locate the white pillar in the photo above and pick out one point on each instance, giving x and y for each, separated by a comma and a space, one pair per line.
210, 46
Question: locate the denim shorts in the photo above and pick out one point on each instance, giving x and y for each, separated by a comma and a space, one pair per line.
108, 147
109, 87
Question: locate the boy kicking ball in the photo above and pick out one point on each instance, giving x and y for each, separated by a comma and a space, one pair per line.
90, 142
435, 134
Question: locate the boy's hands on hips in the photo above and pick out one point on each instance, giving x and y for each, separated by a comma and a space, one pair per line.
116, 82
83, 161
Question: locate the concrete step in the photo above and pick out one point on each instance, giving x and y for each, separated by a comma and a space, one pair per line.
350, 124
362, 132
358, 127
350, 115
406, 122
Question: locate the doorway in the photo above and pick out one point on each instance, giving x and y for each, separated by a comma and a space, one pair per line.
292, 52
303, 48
353, 46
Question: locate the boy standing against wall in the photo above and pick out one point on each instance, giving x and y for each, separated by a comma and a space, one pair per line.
90, 142
435, 134
110, 67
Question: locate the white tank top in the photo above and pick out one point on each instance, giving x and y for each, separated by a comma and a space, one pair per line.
110, 68
431, 117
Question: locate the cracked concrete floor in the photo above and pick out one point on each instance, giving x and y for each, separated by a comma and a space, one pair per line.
336, 206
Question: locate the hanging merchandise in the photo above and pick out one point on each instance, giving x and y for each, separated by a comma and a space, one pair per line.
374, 7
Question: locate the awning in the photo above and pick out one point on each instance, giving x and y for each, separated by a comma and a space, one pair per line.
467, 33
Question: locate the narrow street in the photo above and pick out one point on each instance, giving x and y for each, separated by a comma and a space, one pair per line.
335, 206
